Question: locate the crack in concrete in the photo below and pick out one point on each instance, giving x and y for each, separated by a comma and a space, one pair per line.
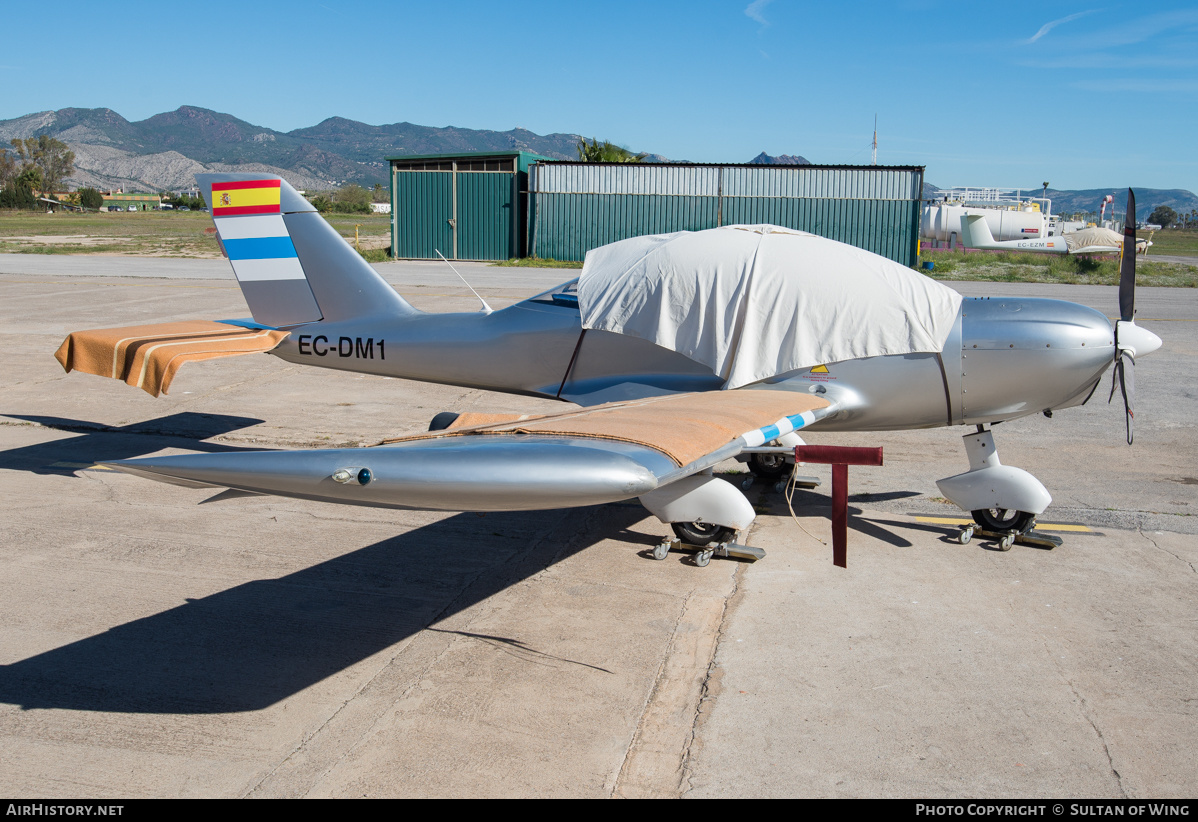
710, 688
1098, 731
1086, 714
1140, 531
639, 731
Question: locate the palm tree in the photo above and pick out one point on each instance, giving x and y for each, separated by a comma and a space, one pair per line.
605, 152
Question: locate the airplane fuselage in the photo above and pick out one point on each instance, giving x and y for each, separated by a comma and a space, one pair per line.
1006, 358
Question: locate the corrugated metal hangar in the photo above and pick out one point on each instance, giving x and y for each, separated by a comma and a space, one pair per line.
563, 209
467, 206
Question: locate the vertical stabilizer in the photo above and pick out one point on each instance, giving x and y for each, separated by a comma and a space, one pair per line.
975, 232
292, 266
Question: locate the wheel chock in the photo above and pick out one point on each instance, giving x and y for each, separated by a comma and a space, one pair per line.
1006, 539
704, 554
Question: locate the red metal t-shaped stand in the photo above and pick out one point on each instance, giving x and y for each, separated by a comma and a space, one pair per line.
840, 457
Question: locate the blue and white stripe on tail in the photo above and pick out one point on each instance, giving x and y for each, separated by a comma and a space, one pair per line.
268, 269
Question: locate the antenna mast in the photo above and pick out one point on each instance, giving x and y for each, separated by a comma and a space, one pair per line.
874, 161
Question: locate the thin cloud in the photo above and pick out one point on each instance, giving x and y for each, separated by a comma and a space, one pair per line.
1178, 23
1165, 85
756, 11
1047, 27
1106, 60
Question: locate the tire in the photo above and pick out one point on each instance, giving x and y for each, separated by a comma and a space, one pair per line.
442, 421
769, 466
1003, 519
701, 533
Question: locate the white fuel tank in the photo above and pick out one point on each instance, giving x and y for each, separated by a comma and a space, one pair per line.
940, 221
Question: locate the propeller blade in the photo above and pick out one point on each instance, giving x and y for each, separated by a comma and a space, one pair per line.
1125, 375
1127, 265
1127, 381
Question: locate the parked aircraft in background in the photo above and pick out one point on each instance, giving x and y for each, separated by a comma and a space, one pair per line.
676, 352
975, 233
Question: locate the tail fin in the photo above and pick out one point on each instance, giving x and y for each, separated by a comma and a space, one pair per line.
975, 232
292, 266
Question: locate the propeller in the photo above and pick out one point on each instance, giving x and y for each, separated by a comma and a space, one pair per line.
1129, 338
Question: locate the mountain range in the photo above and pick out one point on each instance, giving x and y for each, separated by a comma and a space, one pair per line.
166, 151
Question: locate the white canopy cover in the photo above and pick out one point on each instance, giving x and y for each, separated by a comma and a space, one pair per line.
1094, 239
756, 301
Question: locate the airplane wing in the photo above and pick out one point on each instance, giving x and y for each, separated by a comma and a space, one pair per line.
590, 456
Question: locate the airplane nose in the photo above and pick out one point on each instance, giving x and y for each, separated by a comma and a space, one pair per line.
1022, 355
1140, 341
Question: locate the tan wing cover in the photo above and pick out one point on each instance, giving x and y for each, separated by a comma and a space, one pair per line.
684, 427
147, 356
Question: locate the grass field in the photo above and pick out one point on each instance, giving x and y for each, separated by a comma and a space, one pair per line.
191, 234
1174, 242
1028, 267
146, 233
537, 262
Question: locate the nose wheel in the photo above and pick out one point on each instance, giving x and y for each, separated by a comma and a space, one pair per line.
702, 533
1003, 519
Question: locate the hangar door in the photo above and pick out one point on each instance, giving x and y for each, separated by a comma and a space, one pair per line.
462, 208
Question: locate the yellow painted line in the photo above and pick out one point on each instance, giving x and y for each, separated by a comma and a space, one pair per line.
1040, 526
87, 466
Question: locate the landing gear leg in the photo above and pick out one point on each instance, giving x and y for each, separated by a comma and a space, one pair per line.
1004, 501
1001, 498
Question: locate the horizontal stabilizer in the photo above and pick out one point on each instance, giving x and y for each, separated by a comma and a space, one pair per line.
148, 356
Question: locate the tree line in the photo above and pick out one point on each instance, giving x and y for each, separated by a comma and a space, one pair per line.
1164, 216
39, 164
352, 199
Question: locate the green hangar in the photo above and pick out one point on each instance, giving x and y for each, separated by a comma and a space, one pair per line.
494, 205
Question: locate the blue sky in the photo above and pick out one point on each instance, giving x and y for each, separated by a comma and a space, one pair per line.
996, 94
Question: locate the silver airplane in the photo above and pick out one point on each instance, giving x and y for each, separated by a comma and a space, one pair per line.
647, 422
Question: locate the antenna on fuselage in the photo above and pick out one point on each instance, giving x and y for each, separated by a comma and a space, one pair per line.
486, 308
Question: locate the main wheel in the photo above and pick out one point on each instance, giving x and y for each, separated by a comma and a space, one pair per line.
701, 533
1003, 519
769, 466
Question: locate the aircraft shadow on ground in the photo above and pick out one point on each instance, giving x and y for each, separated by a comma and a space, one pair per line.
808, 502
97, 443
248, 647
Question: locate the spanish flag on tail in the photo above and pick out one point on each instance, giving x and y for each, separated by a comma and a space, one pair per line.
238, 197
